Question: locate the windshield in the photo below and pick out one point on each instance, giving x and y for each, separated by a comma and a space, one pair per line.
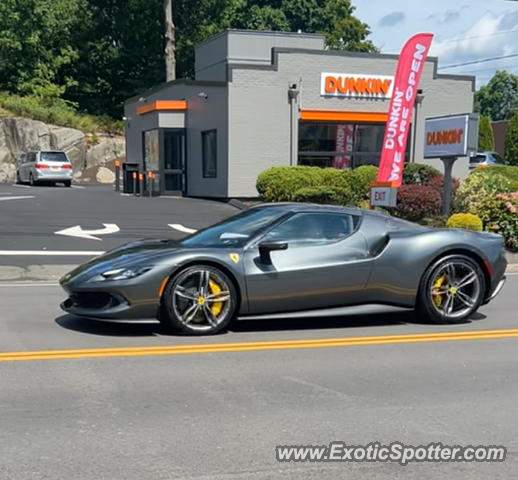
235, 231
53, 157
498, 158
477, 159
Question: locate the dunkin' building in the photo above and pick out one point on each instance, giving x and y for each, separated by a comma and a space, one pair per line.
262, 99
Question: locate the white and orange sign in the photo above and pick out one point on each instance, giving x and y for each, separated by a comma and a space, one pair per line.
450, 136
355, 85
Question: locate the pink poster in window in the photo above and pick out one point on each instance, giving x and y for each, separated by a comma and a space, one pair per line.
344, 143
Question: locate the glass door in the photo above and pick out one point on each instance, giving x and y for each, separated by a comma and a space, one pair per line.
173, 158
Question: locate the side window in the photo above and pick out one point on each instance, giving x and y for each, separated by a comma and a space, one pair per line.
209, 153
31, 157
312, 229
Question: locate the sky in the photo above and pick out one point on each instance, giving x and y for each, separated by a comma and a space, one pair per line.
465, 31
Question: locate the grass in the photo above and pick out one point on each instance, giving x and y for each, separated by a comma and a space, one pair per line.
57, 112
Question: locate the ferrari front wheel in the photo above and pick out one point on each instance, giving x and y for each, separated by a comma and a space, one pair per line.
200, 300
451, 289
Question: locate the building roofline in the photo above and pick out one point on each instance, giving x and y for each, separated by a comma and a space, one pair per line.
277, 33
345, 53
180, 81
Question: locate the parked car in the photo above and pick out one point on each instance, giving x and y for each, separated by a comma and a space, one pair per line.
485, 159
44, 166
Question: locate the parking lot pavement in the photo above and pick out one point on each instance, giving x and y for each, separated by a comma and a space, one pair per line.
47, 225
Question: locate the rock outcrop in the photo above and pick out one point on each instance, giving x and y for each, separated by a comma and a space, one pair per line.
92, 157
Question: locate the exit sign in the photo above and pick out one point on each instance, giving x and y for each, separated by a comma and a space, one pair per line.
383, 196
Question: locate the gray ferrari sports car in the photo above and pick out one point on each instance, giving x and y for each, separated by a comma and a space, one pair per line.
280, 258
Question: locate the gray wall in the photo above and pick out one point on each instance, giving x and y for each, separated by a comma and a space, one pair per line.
259, 109
202, 114
246, 47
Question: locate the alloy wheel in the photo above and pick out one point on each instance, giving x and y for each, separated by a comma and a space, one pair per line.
455, 289
201, 299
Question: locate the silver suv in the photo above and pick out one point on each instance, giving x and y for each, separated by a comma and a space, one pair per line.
486, 159
44, 166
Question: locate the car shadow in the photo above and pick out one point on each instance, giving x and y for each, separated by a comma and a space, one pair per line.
110, 329
345, 322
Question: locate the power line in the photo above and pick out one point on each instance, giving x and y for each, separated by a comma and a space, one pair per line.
482, 60
474, 37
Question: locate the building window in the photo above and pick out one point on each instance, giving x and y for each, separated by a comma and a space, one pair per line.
340, 145
209, 152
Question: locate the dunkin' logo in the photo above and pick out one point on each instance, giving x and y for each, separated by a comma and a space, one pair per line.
354, 85
445, 137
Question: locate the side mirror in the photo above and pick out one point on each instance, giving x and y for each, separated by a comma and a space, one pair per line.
267, 247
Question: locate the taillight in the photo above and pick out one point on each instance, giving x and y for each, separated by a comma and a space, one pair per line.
66, 165
41, 165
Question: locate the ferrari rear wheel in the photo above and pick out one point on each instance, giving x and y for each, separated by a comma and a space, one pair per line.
200, 300
451, 290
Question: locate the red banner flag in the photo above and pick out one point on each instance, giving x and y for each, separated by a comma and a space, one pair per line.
409, 68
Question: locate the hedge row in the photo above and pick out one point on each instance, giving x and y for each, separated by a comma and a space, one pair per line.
301, 183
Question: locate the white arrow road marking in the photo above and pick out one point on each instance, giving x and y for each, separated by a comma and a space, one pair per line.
16, 198
17, 185
51, 253
181, 228
77, 231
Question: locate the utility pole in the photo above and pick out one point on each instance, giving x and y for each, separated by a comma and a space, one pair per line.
170, 49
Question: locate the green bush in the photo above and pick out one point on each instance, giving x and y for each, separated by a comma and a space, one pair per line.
323, 194
511, 140
419, 173
477, 188
57, 111
486, 139
508, 171
279, 184
415, 202
360, 181
500, 215
465, 220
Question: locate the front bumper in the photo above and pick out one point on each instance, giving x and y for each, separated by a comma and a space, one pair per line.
108, 306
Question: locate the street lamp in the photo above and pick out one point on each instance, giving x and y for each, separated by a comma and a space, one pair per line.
418, 101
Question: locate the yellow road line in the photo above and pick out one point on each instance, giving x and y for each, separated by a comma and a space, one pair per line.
260, 345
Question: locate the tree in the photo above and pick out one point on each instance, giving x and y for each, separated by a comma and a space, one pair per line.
499, 98
486, 140
121, 53
511, 140
35, 47
170, 60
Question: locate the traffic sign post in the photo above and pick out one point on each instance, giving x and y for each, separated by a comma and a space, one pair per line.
383, 194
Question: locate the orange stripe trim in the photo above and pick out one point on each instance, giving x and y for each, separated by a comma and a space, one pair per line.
162, 105
383, 184
344, 116
162, 286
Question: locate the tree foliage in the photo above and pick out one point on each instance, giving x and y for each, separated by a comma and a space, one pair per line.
486, 139
97, 53
511, 141
499, 98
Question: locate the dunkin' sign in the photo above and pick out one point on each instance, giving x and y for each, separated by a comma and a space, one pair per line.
354, 85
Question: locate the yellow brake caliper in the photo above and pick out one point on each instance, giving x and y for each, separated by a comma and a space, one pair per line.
437, 298
216, 306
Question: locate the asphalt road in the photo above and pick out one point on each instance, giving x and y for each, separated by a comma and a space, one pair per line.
31, 216
220, 415
81, 399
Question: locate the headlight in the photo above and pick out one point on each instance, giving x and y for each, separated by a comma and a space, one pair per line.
121, 273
